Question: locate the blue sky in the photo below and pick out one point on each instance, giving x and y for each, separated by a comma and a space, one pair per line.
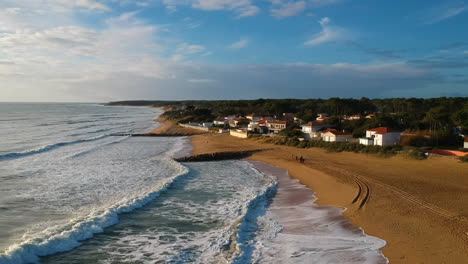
102, 50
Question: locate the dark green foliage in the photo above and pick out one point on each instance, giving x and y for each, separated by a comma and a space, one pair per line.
290, 132
464, 158
417, 154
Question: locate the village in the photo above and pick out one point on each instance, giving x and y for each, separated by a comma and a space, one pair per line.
317, 130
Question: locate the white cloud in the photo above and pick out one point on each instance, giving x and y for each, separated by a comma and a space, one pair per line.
441, 13
88, 4
243, 8
328, 34
242, 43
465, 52
318, 3
185, 48
286, 9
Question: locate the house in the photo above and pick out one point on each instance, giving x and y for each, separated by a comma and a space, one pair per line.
238, 121
207, 124
333, 135
276, 126
220, 121
354, 117
253, 117
381, 136
322, 117
264, 121
465, 142
370, 116
312, 129
257, 128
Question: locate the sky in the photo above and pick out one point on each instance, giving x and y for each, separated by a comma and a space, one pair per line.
107, 50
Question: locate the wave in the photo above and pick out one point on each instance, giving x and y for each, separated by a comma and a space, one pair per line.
91, 132
246, 225
84, 152
41, 149
68, 236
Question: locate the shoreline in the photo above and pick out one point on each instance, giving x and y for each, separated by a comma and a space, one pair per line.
169, 128
410, 206
317, 233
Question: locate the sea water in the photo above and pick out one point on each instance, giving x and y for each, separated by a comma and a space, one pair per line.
72, 192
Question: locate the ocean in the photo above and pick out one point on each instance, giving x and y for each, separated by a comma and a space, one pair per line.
71, 192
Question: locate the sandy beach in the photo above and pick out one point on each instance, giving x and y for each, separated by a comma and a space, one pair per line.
418, 207
170, 128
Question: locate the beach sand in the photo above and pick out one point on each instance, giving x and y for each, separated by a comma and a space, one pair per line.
419, 207
170, 128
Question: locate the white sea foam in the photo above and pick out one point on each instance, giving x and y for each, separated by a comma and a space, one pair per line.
68, 236
49, 147
198, 221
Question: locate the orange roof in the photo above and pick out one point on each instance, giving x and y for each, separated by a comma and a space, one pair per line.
383, 130
336, 132
278, 122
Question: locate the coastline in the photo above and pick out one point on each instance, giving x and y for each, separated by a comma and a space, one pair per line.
418, 218
315, 233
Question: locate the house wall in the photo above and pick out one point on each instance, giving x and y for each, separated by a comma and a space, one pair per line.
306, 129
238, 134
465, 145
329, 137
194, 127
365, 141
369, 133
344, 138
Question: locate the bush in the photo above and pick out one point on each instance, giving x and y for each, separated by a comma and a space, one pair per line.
416, 154
464, 158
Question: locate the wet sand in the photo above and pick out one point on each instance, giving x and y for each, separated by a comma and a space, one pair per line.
312, 233
419, 207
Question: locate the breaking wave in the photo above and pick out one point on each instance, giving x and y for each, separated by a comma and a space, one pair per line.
49, 147
68, 236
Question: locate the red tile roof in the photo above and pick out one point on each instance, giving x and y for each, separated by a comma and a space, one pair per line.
383, 130
278, 122
336, 132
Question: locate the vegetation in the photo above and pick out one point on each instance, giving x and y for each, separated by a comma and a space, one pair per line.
432, 120
331, 146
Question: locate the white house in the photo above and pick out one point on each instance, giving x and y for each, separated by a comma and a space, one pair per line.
465, 143
322, 117
253, 117
257, 128
312, 129
353, 117
221, 121
381, 136
333, 135
235, 122
207, 124
276, 125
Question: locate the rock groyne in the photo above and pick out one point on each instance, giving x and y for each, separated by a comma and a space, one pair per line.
216, 156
